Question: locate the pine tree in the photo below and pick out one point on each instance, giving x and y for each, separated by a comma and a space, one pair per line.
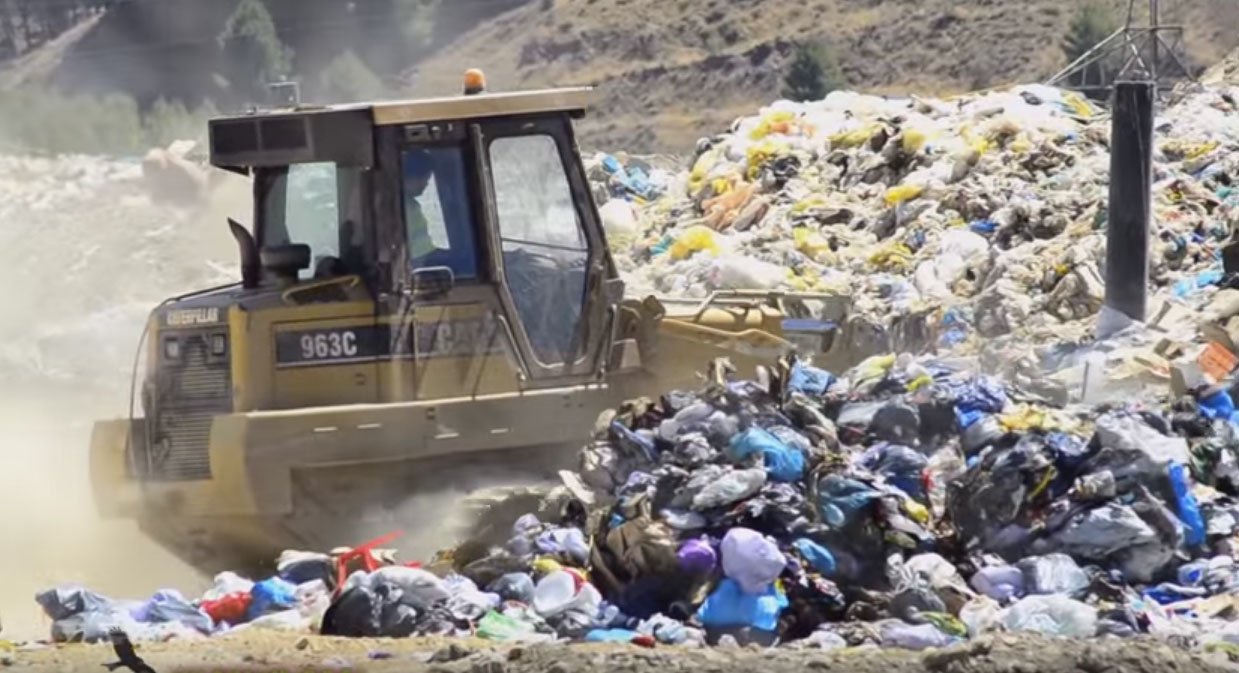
814, 72
253, 53
1092, 23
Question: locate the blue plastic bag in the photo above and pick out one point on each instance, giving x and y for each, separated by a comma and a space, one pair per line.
975, 398
611, 636
1186, 506
271, 595
902, 466
730, 606
169, 605
633, 441
809, 380
1217, 405
818, 556
782, 462
840, 499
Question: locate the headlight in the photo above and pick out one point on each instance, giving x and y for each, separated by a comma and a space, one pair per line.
172, 348
219, 344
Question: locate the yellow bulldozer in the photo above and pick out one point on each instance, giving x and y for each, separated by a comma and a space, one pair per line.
427, 307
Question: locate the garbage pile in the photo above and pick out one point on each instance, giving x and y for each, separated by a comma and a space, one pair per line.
907, 503
978, 216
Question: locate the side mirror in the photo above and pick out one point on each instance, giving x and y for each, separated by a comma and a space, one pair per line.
432, 282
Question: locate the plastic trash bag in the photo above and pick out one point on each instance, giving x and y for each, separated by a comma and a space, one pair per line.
819, 557
420, 588
901, 465
506, 629
981, 615
169, 605
227, 583
1001, 583
300, 567
611, 636
841, 499
809, 380
782, 462
730, 606
467, 603
271, 595
1126, 431
366, 612
513, 587
1052, 615
68, 600
670, 631
751, 559
729, 488
1103, 531
1185, 505
697, 557
230, 609
895, 633
1052, 574
569, 541
560, 592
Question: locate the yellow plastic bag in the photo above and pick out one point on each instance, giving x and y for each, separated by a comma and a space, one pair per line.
916, 510
874, 367
760, 154
975, 143
701, 169
854, 138
545, 566
1078, 105
914, 140
1021, 145
775, 122
901, 193
1197, 151
694, 239
892, 255
808, 203
813, 245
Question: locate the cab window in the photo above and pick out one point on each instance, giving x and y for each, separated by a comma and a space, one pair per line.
438, 219
545, 251
302, 204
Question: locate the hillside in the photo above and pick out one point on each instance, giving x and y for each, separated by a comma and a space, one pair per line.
670, 71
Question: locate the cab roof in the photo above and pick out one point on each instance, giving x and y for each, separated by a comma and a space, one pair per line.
332, 132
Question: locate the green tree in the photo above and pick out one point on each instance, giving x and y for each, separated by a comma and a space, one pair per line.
814, 72
417, 21
253, 53
347, 79
1092, 23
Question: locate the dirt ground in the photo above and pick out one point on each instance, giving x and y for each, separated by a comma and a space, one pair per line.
271, 652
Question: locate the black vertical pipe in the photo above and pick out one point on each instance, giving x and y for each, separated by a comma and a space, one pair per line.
1131, 171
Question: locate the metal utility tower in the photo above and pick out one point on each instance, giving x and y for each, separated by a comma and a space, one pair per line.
1147, 53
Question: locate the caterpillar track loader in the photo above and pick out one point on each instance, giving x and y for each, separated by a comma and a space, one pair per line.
427, 307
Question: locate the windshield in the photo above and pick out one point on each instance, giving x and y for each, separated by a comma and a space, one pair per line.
301, 204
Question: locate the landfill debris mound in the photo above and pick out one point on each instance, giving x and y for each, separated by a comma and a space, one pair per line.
907, 504
1079, 487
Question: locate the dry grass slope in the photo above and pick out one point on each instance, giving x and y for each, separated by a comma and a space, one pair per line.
670, 71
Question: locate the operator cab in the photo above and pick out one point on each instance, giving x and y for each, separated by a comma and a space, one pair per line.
473, 201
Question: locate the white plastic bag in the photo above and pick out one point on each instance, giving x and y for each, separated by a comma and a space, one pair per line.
1052, 615
421, 588
981, 615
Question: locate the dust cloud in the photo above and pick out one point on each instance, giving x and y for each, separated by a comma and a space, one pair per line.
85, 254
